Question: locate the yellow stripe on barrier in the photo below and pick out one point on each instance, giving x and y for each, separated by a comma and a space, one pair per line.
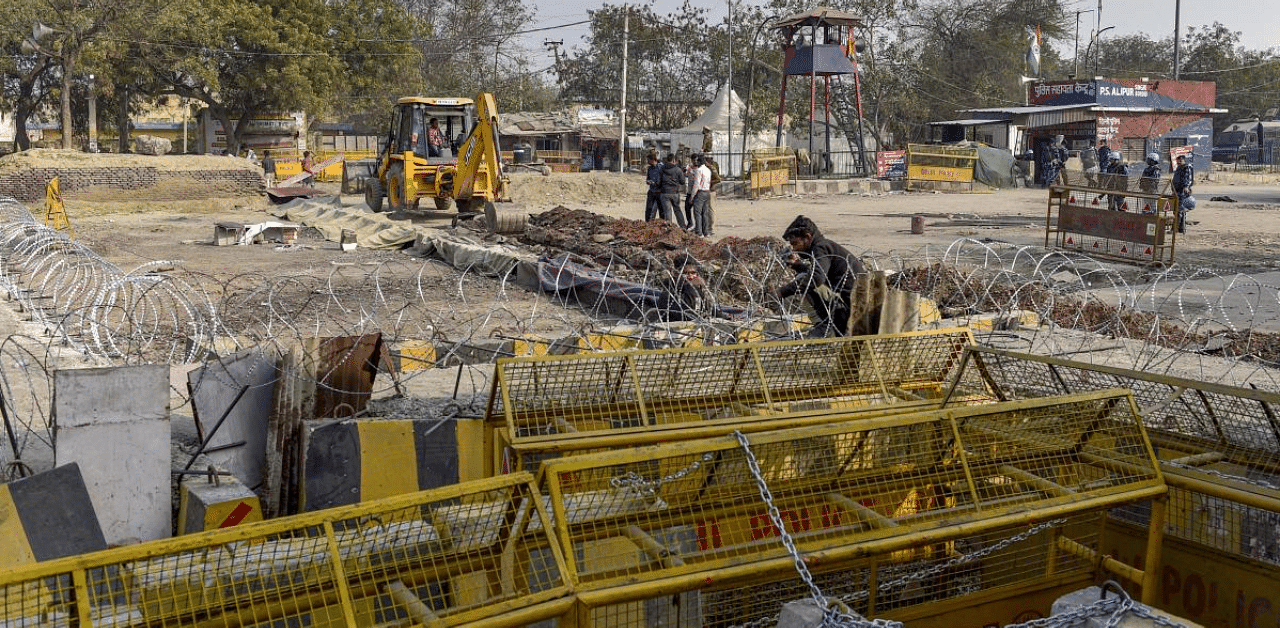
13, 537
416, 355
388, 459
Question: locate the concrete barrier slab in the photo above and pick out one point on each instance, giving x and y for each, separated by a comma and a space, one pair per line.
213, 388
114, 422
46, 516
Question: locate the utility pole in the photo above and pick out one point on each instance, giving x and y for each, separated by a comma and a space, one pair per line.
728, 161
622, 110
1177, 26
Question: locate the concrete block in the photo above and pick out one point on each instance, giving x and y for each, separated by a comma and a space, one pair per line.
803, 613
213, 387
477, 351
347, 462
414, 355
205, 505
46, 516
1087, 596
114, 422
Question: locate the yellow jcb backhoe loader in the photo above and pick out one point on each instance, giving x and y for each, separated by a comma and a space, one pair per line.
464, 170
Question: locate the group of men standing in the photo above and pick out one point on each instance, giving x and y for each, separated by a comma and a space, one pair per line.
668, 181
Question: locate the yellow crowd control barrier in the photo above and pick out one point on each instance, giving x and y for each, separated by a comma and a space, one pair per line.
928, 514
553, 404
918, 496
1220, 452
474, 552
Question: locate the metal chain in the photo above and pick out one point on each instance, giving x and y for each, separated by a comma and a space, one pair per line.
1114, 609
643, 486
834, 615
1225, 476
959, 560
844, 616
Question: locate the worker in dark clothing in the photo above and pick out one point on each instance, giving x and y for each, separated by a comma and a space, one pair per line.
1150, 181
1104, 155
653, 200
1055, 159
686, 297
824, 274
671, 181
1118, 179
1183, 178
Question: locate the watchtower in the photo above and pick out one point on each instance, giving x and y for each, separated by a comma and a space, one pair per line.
820, 43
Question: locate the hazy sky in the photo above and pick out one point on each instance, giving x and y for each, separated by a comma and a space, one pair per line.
1257, 20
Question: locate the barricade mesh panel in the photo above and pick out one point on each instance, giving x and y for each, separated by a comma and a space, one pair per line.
1202, 431
560, 403
460, 553
696, 506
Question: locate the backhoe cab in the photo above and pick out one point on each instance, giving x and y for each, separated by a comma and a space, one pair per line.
466, 170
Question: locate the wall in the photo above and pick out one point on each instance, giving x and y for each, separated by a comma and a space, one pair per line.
132, 183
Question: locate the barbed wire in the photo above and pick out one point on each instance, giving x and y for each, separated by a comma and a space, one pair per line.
81, 308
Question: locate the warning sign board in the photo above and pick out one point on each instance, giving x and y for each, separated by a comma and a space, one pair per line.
1104, 223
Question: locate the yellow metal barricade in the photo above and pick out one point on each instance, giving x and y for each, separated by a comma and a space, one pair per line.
919, 513
549, 405
1220, 453
772, 169
475, 552
1129, 219
929, 164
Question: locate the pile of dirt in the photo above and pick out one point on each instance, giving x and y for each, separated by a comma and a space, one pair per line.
641, 247
61, 158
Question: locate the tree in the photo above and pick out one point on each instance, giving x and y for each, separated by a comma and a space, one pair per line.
26, 77
672, 64
242, 58
75, 24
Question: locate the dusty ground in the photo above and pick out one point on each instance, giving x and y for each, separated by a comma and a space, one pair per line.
1242, 236
1227, 237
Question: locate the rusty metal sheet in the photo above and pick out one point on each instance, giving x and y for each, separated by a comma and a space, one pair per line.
347, 366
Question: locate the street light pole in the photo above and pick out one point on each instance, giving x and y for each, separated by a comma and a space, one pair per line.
728, 160
1075, 56
93, 117
1097, 38
622, 110
1177, 19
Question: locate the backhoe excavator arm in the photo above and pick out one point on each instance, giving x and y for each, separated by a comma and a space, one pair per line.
479, 155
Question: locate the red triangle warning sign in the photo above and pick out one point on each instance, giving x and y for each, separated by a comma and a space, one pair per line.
1072, 199
1124, 206
1070, 240
1164, 205
1147, 252
1095, 200
1095, 245
1124, 249
1147, 207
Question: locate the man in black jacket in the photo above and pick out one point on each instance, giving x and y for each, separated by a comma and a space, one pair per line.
824, 274
671, 181
652, 200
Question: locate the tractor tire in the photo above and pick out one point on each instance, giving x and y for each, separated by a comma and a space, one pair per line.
443, 203
373, 194
395, 188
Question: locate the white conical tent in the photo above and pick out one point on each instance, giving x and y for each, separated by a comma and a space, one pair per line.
727, 108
